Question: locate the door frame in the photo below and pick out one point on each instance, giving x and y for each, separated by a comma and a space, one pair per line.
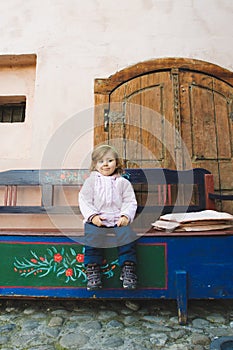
106, 86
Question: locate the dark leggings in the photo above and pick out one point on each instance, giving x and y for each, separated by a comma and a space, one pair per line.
99, 238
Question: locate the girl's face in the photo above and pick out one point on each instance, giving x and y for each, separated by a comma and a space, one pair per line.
106, 165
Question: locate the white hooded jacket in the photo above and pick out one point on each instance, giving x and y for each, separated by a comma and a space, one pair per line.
108, 196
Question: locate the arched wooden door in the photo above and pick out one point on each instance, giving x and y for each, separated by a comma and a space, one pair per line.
173, 113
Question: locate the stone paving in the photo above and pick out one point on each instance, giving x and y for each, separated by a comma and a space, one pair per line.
105, 325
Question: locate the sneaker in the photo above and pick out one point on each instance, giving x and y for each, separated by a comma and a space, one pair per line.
93, 277
128, 276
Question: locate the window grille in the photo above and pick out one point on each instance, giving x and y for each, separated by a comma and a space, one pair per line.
12, 112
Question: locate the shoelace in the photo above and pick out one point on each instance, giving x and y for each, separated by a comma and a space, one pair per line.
93, 275
129, 273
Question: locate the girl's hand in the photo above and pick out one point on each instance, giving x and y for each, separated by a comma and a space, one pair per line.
123, 221
97, 220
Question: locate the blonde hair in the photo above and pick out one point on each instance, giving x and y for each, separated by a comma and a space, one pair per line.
100, 151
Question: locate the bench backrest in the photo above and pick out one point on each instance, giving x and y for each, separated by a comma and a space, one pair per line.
157, 189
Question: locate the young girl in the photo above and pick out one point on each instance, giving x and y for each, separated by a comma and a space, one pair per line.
108, 205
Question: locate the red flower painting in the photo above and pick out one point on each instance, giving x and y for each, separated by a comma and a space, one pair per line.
57, 258
66, 263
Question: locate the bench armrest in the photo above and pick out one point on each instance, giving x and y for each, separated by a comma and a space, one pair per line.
223, 197
39, 210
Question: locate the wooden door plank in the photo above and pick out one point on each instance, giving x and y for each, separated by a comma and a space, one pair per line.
101, 103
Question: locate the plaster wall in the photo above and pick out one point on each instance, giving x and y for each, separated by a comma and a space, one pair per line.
77, 41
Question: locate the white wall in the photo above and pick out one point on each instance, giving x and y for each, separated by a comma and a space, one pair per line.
77, 41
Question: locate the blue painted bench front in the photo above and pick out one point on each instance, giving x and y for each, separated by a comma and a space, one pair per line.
42, 253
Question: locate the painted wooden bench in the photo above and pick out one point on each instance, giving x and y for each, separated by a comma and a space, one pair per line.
41, 239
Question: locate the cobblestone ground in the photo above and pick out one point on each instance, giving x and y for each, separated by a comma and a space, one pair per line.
123, 325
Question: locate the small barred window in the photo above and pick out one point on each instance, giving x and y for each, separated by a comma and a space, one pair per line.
12, 111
